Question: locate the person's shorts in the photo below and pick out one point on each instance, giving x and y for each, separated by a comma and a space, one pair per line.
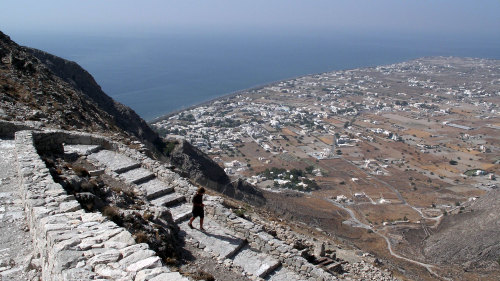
198, 212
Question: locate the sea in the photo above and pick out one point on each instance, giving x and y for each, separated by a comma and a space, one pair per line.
156, 74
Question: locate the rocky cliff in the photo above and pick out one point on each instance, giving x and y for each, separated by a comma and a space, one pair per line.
196, 165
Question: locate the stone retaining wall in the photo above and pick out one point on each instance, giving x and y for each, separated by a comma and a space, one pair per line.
8, 129
71, 243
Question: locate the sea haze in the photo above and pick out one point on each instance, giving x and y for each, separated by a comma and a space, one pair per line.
158, 74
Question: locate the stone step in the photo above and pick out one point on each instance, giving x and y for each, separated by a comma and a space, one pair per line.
284, 274
325, 262
335, 268
181, 212
137, 176
155, 188
255, 263
81, 149
114, 161
168, 200
218, 240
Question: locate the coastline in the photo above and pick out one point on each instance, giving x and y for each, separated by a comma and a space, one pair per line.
228, 95
260, 86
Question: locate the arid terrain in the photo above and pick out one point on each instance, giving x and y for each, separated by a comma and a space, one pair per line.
381, 158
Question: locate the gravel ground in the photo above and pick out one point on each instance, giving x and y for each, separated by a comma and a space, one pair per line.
15, 241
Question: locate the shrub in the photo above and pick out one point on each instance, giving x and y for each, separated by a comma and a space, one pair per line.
111, 212
240, 212
147, 216
80, 171
141, 237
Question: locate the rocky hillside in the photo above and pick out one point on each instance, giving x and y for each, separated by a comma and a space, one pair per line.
57, 93
470, 238
196, 165
124, 117
36, 86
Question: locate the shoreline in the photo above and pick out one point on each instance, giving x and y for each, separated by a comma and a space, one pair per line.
228, 95
260, 86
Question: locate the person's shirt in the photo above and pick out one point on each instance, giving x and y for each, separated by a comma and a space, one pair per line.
198, 199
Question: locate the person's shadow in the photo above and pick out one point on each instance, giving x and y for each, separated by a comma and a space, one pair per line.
228, 238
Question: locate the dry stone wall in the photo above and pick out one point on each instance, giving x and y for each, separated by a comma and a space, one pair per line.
71, 243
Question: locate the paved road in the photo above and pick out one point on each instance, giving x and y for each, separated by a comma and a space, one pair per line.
15, 241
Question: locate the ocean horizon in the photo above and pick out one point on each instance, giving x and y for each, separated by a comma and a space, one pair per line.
156, 74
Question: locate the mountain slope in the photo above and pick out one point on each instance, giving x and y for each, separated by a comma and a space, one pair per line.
471, 238
37, 86
124, 117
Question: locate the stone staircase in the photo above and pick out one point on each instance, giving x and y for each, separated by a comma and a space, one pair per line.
219, 240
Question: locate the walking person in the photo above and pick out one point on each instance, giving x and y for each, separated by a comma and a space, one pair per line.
198, 208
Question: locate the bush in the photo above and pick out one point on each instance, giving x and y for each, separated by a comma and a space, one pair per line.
453, 162
80, 171
240, 212
141, 237
112, 213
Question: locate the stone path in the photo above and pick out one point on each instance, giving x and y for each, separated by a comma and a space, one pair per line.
218, 240
15, 240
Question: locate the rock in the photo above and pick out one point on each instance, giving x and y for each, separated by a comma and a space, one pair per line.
148, 274
172, 276
109, 256
127, 251
135, 257
146, 263
319, 250
124, 237
110, 272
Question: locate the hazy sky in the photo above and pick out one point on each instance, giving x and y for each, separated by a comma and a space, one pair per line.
94, 16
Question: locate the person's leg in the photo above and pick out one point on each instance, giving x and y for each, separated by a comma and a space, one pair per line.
191, 222
201, 224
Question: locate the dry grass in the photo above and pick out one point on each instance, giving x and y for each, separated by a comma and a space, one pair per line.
80, 171
111, 212
147, 216
418, 133
141, 237
202, 275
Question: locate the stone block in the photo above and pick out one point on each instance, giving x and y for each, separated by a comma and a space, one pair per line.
66, 259
111, 255
144, 264
172, 276
155, 188
77, 274
124, 237
257, 264
127, 251
135, 257
148, 274
70, 206
109, 272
